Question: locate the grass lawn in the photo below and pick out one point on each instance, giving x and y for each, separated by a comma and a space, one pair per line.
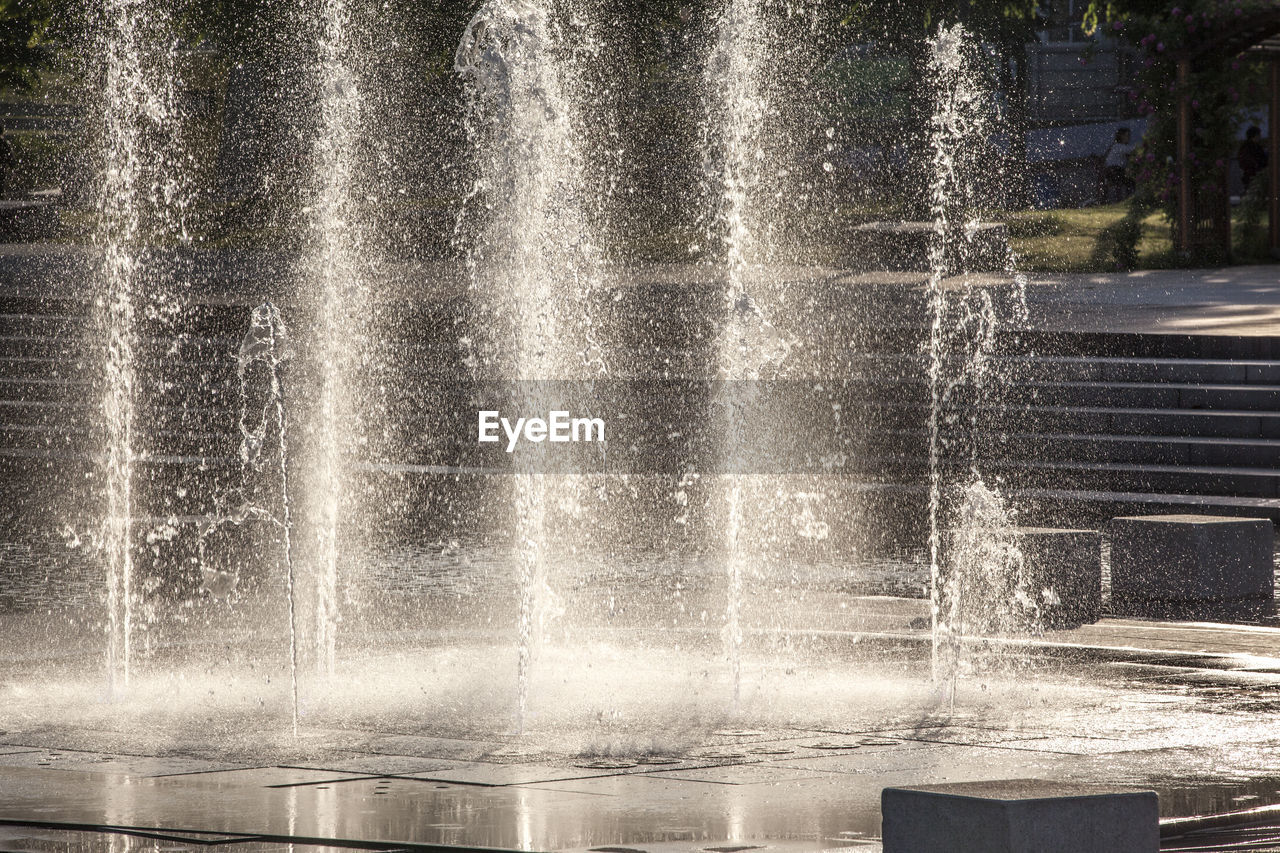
1067, 240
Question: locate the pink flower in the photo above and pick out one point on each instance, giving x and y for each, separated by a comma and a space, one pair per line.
1160, 47
1191, 19
1118, 25
1176, 11
1235, 65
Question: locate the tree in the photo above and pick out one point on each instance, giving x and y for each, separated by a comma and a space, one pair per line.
1221, 85
904, 26
24, 41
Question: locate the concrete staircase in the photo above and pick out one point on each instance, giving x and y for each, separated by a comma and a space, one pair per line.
1181, 424
1077, 428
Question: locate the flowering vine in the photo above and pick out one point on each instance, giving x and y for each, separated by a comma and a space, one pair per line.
1222, 89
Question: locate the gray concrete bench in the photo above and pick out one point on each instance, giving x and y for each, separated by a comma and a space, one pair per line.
1063, 572
1019, 816
1189, 565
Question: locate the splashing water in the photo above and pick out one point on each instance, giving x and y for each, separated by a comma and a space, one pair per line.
958, 117
736, 102
266, 343
138, 98
963, 334
985, 589
338, 275
534, 260
735, 105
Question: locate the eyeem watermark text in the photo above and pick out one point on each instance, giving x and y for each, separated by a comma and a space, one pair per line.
556, 427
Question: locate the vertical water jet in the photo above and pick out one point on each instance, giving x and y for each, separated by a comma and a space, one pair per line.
266, 342
964, 319
736, 103
136, 99
337, 281
533, 260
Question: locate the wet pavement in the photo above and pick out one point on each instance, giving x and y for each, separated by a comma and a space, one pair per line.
1185, 708
1242, 300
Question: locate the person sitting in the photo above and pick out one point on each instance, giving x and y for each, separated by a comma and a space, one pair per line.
1251, 156
1117, 185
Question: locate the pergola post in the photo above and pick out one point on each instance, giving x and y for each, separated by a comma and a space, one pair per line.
1184, 153
1273, 159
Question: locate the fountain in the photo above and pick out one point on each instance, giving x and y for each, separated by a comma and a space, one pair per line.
371, 597
140, 200
535, 263
337, 276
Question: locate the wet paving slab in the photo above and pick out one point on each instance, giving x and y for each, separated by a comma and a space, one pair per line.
1192, 718
794, 794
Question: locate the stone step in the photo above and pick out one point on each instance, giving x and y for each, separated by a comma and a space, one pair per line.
1019, 390
1226, 423
1093, 507
1101, 476
1059, 368
1143, 370
1118, 477
150, 389
1160, 450
76, 439
1259, 397
46, 413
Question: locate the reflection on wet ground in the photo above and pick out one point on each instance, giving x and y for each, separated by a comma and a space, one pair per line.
416, 746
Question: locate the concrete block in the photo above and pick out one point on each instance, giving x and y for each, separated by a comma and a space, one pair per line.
1163, 564
1063, 571
1019, 816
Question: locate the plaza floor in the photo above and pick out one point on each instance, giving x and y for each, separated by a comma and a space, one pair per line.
1188, 711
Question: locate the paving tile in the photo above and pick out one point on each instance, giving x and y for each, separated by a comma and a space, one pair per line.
940, 762
745, 774
507, 774
422, 746
375, 765
127, 765
1072, 745
260, 777
962, 734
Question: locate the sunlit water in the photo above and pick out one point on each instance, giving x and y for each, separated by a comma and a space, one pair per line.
534, 259
141, 196
338, 276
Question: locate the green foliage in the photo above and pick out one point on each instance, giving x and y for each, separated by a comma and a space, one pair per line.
900, 23
1220, 87
24, 26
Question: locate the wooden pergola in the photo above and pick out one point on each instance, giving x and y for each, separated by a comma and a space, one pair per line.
1206, 221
